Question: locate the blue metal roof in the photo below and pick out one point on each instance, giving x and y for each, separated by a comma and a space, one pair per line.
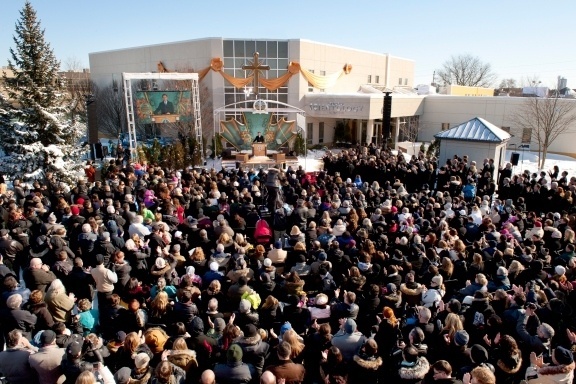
476, 129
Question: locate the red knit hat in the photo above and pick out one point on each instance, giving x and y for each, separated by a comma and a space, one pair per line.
75, 210
538, 224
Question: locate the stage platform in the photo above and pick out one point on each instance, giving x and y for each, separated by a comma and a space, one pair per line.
258, 162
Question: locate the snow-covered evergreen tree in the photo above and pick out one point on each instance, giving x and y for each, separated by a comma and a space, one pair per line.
36, 134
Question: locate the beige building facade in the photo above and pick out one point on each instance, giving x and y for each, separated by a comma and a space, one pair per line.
355, 99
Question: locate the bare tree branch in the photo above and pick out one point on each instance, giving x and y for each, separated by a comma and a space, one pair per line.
467, 70
546, 119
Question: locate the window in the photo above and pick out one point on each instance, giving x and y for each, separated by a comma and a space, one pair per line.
406, 81
506, 129
445, 126
400, 81
321, 132
369, 79
322, 73
309, 133
526, 135
377, 79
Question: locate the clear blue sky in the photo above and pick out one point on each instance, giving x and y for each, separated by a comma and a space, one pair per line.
520, 39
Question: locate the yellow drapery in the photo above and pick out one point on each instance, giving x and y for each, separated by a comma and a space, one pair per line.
318, 81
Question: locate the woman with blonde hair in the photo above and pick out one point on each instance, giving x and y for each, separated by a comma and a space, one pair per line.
182, 357
452, 324
446, 268
514, 270
295, 341
160, 309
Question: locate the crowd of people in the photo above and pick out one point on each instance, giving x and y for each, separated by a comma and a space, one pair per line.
379, 268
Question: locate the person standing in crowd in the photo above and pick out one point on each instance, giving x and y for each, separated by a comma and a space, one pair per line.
375, 238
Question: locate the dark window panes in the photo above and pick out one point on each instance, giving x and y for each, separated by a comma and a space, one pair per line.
239, 62
228, 98
228, 48
283, 98
282, 72
273, 63
240, 73
282, 49
261, 48
239, 48
272, 47
228, 63
250, 48
229, 90
282, 63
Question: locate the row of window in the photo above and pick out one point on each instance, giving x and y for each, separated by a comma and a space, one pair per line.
376, 79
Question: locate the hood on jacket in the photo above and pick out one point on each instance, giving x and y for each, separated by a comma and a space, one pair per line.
416, 372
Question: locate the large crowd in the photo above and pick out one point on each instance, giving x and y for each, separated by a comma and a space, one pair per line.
380, 268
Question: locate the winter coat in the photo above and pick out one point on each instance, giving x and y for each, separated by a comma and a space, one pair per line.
349, 344
416, 373
364, 369
255, 351
506, 369
185, 359
552, 374
234, 373
432, 297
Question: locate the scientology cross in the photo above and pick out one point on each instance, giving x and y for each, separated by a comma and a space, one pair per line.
256, 66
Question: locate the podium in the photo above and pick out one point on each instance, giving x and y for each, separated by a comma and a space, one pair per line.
165, 118
258, 149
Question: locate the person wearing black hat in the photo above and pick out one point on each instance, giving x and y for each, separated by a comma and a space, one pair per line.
562, 370
255, 351
234, 371
46, 362
73, 365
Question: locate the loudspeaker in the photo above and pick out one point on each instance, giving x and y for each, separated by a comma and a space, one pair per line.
386, 116
514, 158
226, 153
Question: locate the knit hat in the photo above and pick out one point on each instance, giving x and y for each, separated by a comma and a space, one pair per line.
502, 271
391, 288
234, 354
250, 331
47, 337
350, 326
244, 306
213, 266
461, 338
120, 336
278, 244
110, 209
478, 354
538, 224
74, 210
178, 234
197, 325
560, 270
267, 262
286, 326
322, 256
437, 281
122, 376
141, 360
563, 356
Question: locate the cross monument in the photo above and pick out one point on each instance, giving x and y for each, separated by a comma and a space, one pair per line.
256, 66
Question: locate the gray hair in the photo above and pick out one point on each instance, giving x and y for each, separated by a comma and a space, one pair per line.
14, 301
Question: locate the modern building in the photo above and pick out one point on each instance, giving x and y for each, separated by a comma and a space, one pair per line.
335, 86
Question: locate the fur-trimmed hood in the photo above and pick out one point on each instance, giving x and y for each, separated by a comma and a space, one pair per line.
556, 369
505, 365
410, 291
372, 363
417, 372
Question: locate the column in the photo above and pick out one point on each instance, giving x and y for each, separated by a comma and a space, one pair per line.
369, 131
